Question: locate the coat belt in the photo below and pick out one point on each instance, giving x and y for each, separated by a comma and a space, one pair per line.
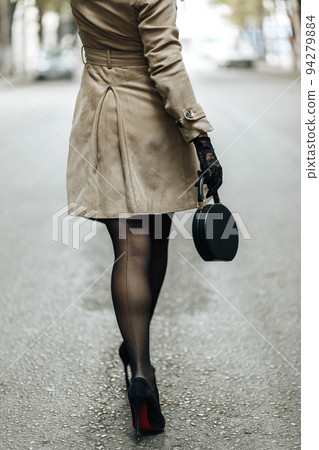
112, 58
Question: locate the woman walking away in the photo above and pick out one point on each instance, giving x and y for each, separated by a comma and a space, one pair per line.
138, 138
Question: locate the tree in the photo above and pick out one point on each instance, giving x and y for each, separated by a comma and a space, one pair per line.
248, 15
7, 8
244, 12
293, 10
49, 5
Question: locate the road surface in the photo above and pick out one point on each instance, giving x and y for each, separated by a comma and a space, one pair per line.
225, 336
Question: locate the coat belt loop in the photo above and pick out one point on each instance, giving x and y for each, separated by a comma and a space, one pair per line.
108, 58
82, 55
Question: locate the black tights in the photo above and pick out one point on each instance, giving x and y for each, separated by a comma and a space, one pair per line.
140, 250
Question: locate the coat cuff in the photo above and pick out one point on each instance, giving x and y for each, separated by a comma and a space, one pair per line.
193, 122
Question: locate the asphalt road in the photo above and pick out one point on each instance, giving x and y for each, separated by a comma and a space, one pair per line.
225, 337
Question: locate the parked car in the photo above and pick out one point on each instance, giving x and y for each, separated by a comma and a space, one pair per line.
226, 52
55, 64
237, 54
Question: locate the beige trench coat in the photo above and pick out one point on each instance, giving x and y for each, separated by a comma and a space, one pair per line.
135, 114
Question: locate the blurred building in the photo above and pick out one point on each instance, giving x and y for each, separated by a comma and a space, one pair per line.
31, 32
205, 30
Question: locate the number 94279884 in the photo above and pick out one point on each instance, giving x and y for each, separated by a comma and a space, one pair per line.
310, 45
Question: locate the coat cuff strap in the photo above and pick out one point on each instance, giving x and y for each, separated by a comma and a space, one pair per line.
193, 122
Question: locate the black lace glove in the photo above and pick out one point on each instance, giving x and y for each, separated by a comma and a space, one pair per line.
209, 164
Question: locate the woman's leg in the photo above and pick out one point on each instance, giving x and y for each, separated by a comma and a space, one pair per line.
137, 279
160, 226
131, 291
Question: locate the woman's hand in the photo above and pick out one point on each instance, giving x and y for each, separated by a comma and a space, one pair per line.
211, 169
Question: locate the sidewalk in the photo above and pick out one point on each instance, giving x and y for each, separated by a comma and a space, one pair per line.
264, 67
15, 80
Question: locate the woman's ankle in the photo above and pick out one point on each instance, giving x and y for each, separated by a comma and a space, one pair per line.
148, 375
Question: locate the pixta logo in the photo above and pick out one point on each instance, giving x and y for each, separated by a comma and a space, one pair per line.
70, 230
182, 225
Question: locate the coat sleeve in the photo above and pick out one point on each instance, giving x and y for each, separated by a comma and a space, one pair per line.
162, 48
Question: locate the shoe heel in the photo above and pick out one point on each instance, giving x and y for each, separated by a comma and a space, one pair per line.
125, 360
138, 420
136, 406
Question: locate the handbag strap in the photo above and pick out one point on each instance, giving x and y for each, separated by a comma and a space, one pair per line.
200, 194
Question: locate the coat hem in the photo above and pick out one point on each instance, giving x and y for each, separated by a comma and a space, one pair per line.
126, 214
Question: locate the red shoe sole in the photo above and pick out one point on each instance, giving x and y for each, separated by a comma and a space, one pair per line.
144, 423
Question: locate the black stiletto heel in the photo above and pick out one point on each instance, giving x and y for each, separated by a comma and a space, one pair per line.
138, 405
126, 361
146, 411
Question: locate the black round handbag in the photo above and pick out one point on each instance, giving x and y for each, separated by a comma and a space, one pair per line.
215, 231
